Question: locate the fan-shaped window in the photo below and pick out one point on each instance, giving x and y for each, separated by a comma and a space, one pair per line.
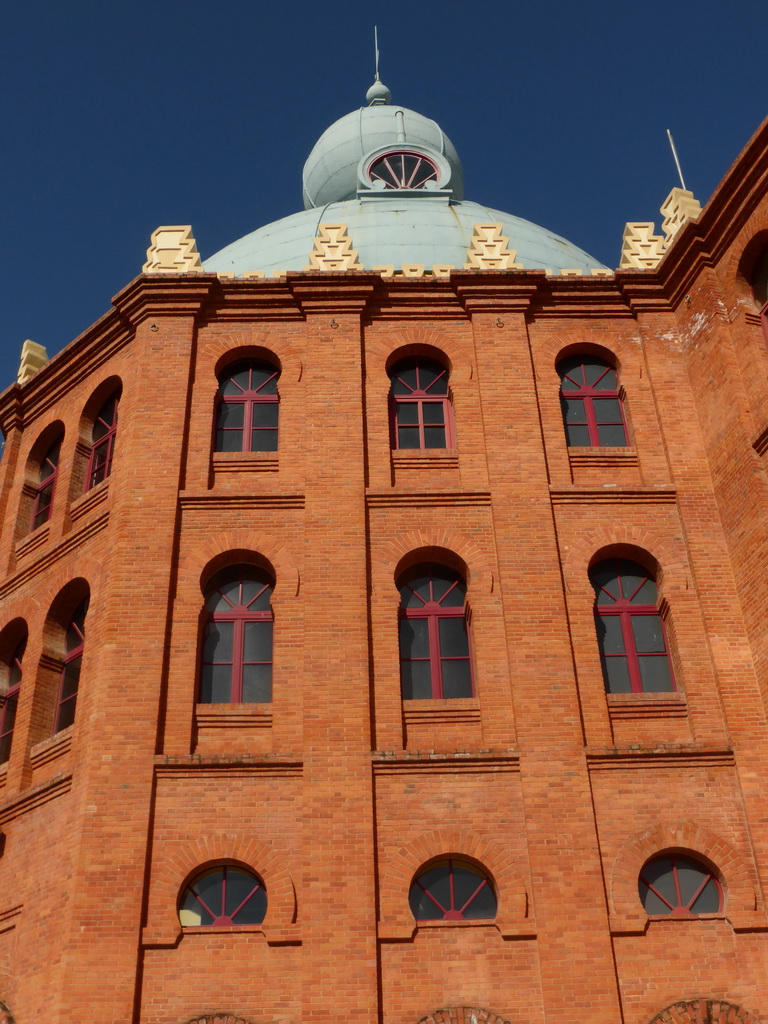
69, 681
592, 410
223, 897
402, 170
452, 890
247, 416
237, 645
435, 656
46, 485
10, 700
420, 406
679, 886
103, 442
630, 631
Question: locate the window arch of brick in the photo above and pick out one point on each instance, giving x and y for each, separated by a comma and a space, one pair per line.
61, 664
182, 864
452, 547
689, 838
39, 491
592, 399
704, 1011
401, 863
464, 1015
13, 644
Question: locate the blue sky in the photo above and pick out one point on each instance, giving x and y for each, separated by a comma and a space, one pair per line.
120, 116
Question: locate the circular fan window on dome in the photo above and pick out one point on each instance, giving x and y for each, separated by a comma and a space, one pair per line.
403, 170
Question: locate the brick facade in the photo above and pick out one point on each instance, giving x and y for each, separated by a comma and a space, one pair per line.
338, 792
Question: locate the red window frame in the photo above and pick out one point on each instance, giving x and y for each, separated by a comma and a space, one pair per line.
451, 912
10, 701
680, 907
255, 436
625, 604
420, 405
69, 679
443, 584
46, 487
576, 371
236, 582
222, 919
102, 442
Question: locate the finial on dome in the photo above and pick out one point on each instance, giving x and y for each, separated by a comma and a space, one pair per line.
378, 94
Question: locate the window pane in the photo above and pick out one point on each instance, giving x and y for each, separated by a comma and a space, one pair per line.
434, 412
612, 436
607, 383
415, 587
9, 712
70, 678
689, 877
408, 437
422, 907
209, 889
262, 594
454, 642
646, 594
577, 437
66, 715
218, 641
436, 882
407, 412
593, 368
264, 379
659, 874
229, 440
708, 900
404, 379
239, 888
603, 578
610, 634
416, 678
191, 914
434, 437
256, 907
457, 679
257, 684
649, 636
231, 414
484, 904
216, 684
651, 902
432, 377
257, 644
264, 441
571, 367
465, 882
414, 638
607, 410
573, 410
265, 414
655, 674
236, 382
616, 675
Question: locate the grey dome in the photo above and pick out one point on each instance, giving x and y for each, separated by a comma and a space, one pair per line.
330, 173
396, 230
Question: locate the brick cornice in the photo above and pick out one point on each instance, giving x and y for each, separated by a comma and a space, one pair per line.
164, 295
340, 292
496, 291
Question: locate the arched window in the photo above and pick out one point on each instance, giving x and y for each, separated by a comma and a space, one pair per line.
630, 631
452, 890
103, 442
69, 681
435, 658
222, 897
421, 414
592, 410
10, 700
237, 645
247, 416
46, 485
679, 886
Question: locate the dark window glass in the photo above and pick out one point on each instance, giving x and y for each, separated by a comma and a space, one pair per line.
237, 641
592, 410
69, 681
10, 701
103, 442
421, 408
435, 652
680, 887
43, 506
452, 890
223, 897
630, 632
248, 409
760, 281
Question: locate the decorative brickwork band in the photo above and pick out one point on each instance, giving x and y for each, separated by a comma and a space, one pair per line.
677, 208
704, 1011
333, 249
466, 1015
33, 357
640, 248
489, 250
173, 250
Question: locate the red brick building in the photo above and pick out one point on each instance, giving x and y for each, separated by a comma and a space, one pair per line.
383, 635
